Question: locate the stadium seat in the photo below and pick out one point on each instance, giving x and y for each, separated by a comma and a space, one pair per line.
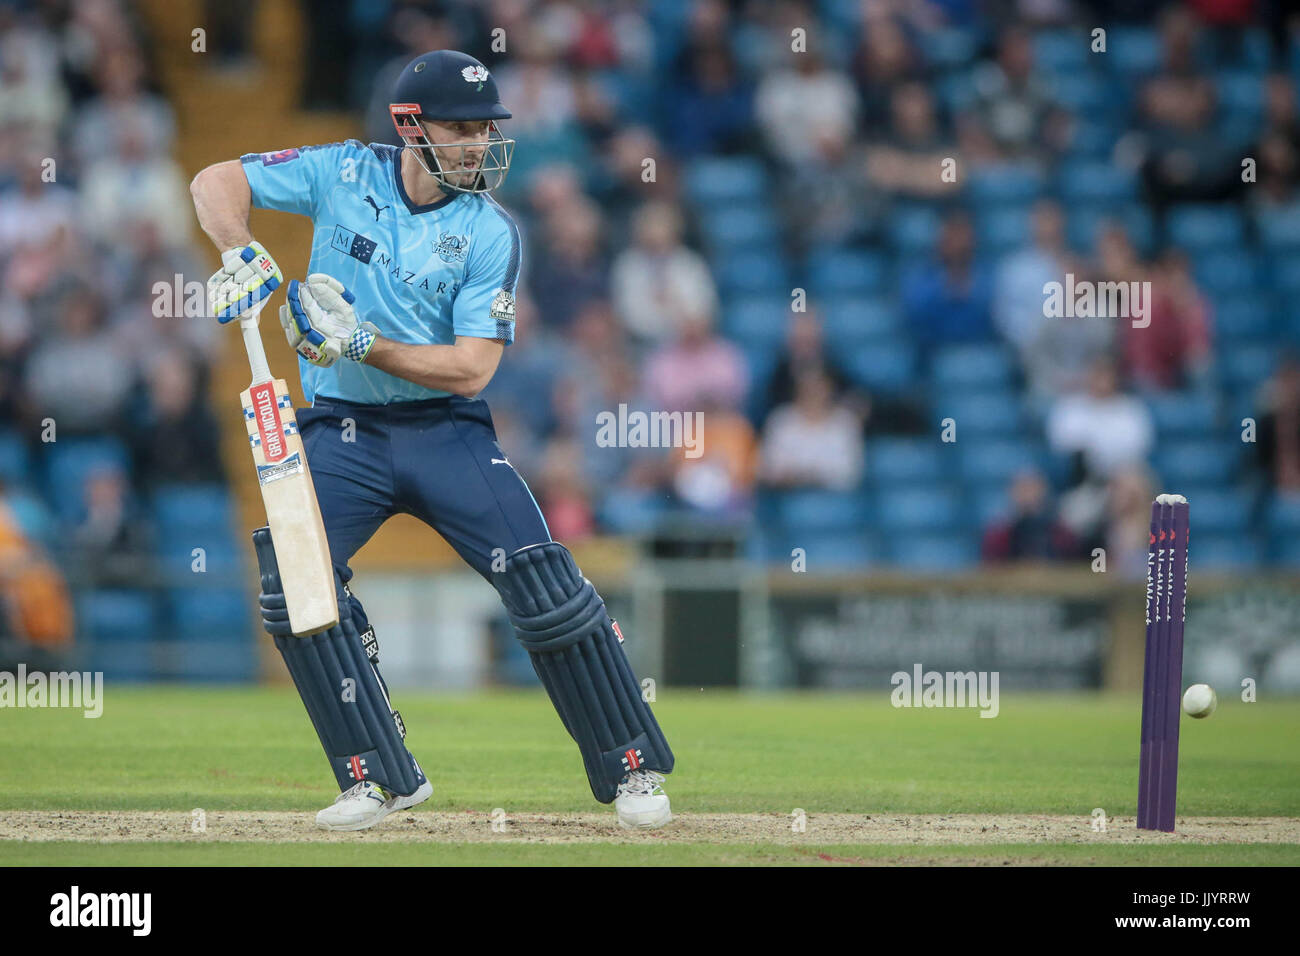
203, 613
15, 462
846, 272
1132, 50
989, 503
1003, 229
1195, 461
1284, 550
1093, 139
1218, 510
1284, 514
1202, 226
742, 228
979, 412
69, 462
857, 320
1085, 222
1089, 184
631, 512
1279, 228
720, 181
997, 185
1226, 272
839, 550
1225, 552
114, 615
123, 661
233, 660
947, 47
972, 366
186, 509
913, 230
886, 368
815, 511
905, 461
1244, 318
1181, 414
759, 320
996, 462
919, 508
930, 552
1240, 95
1247, 367
750, 272
1083, 93
1062, 52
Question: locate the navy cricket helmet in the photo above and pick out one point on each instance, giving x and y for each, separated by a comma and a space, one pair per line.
448, 86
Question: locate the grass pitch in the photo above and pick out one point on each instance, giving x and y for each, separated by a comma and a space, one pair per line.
877, 785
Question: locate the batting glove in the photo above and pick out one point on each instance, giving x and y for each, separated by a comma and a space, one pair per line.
247, 276
320, 322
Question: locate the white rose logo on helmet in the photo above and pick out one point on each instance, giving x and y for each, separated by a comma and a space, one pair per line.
475, 74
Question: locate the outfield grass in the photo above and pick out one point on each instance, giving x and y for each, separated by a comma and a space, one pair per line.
253, 749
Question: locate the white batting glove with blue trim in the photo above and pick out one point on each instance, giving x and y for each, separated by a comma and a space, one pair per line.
320, 322
247, 275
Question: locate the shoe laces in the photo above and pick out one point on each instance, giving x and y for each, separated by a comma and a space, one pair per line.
641, 783
353, 791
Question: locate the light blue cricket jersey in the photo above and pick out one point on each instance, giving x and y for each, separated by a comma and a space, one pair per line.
422, 274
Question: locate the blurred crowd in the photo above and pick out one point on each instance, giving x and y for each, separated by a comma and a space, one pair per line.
715, 222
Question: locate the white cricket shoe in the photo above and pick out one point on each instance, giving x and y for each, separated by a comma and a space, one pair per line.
641, 802
365, 805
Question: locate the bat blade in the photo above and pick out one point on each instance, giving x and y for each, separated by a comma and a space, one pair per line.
301, 548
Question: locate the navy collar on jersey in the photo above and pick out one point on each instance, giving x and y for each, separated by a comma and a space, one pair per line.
411, 207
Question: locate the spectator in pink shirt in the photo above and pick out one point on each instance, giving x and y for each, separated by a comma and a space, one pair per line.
696, 369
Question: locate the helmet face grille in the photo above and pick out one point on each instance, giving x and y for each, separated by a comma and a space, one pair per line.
486, 175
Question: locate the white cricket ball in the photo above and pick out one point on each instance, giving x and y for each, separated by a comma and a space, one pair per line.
1200, 700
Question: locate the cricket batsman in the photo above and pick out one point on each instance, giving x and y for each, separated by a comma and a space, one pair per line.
405, 313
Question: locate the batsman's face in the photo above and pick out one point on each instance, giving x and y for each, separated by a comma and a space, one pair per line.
459, 147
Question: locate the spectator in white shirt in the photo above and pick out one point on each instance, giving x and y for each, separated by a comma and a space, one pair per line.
813, 442
1104, 430
658, 279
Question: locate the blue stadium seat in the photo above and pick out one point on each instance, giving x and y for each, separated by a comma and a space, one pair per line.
1085, 222
1183, 413
845, 271
123, 661
1063, 52
913, 230
805, 512
947, 47
757, 320
70, 461
747, 228
1226, 272
860, 319
750, 272
906, 461
972, 366
227, 661
920, 508
15, 462
1217, 510
996, 462
1195, 461
115, 615
718, 181
1224, 552
1003, 229
1132, 50
205, 613
1244, 318
1284, 514
1203, 226
931, 552
1284, 549
980, 412
1089, 183
1247, 367
1093, 138
628, 511
1014, 183
887, 368
1082, 93
1284, 269
1240, 93
185, 509
839, 550
989, 503
1279, 228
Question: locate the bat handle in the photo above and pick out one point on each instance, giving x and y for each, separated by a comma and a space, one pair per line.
253, 344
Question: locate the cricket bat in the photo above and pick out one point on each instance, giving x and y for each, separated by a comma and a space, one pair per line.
292, 511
